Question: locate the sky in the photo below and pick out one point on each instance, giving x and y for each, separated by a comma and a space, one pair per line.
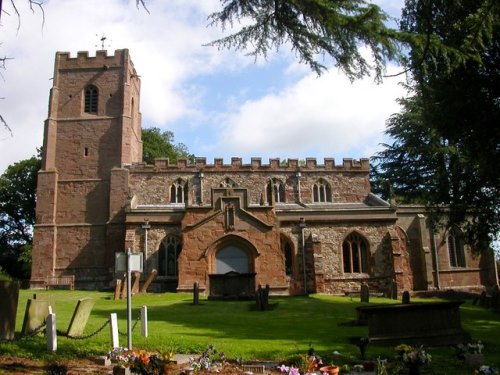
219, 103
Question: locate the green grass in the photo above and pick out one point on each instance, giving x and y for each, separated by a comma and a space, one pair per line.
233, 327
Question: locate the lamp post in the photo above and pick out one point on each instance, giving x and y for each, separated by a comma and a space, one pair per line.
302, 225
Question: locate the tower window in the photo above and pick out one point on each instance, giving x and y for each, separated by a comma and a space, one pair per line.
91, 95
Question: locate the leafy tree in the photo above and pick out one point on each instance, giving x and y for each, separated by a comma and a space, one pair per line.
158, 144
17, 216
446, 150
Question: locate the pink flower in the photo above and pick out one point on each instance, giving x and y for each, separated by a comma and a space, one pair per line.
283, 368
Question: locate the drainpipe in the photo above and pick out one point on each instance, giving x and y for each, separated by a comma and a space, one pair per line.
145, 226
436, 260
302, 226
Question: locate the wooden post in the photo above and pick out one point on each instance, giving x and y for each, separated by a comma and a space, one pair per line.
118, 289
148, 281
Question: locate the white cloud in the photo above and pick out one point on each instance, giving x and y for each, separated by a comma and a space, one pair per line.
321, 116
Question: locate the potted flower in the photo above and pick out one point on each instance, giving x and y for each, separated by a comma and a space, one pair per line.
412, 357
140, 362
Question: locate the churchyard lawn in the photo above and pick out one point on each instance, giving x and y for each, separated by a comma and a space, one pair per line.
280, 334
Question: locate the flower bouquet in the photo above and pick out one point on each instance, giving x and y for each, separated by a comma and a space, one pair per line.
412, 357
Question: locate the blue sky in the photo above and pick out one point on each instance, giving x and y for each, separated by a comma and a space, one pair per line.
218, 103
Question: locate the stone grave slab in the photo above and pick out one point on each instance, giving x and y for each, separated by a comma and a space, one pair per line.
9, 295
432, 323
35, 315
80, 317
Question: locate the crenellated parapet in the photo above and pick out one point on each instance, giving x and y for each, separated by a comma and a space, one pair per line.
289, 165
101, 58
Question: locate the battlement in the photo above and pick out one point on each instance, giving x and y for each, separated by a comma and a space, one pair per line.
64, 60
290, 165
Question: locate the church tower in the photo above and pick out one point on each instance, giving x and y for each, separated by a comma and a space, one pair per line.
92, 132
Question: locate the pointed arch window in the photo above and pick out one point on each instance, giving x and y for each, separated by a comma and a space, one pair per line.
456, 247
178, 192
275, 190
355, 254
170, 249
322, 192
91, 96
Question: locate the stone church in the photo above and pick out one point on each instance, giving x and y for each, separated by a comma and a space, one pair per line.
310, 227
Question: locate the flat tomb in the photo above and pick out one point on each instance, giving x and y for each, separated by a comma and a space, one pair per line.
433, 323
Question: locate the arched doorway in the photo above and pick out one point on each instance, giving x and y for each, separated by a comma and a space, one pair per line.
232, 273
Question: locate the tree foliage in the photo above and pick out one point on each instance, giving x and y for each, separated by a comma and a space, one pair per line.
17, 216
312, 29
447, 137
158, 144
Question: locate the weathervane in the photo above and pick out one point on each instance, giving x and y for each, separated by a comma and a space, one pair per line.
103, 41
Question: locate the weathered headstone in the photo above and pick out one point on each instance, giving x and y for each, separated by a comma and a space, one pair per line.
393, 290
9, 295
258, 298
80, 317
118, 289
365, 293
136, 277
262, 298
265, 297
35, 315
196, 294
406, 297
148, 281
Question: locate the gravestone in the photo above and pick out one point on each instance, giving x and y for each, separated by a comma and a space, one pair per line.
80, 317
35, 315
9, 295
393, 290
148, 281
406, 298
262, 298
365, 293
196, 294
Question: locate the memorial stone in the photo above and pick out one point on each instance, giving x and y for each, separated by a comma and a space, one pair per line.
196, 294
80, 317
9, 295
406, 298
365, 293
35, 315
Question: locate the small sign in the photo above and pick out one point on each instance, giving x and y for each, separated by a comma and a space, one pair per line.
121, 262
